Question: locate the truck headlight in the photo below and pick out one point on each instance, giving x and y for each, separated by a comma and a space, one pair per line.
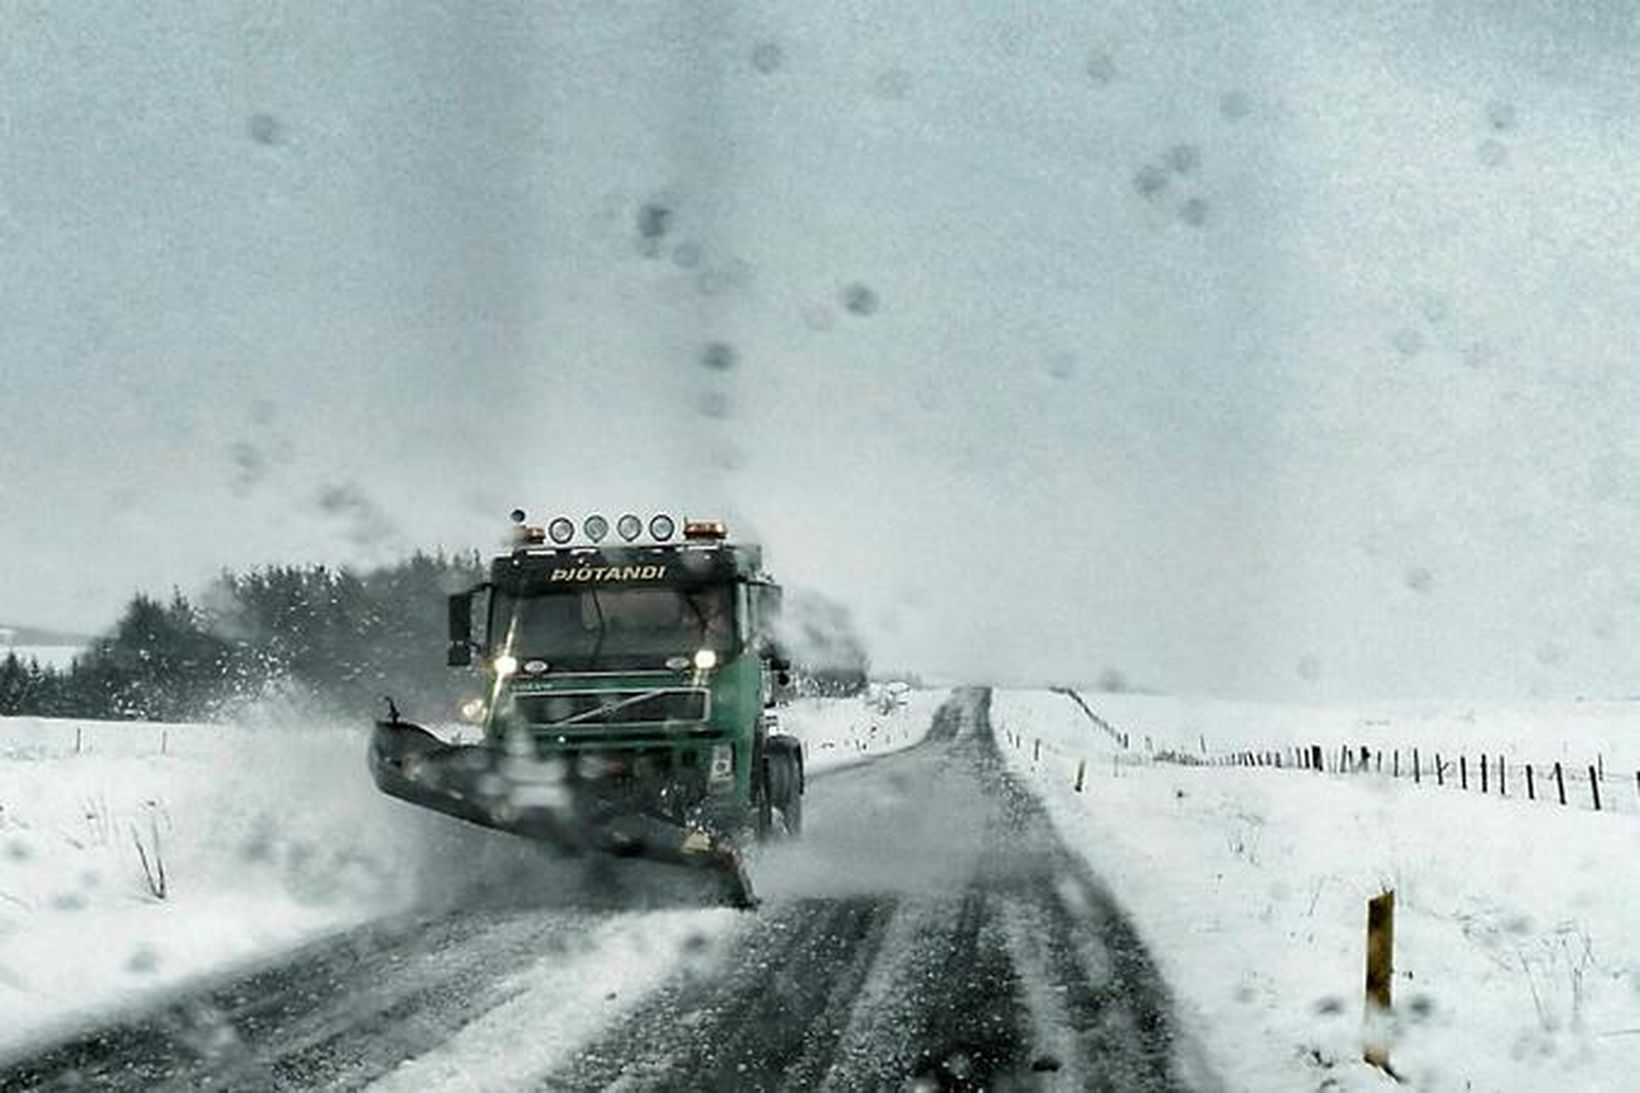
706, 660
472, 710
505, 665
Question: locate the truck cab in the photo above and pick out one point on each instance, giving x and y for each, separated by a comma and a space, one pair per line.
626, 694
651, 672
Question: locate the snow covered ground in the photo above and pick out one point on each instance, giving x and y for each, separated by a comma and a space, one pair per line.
269, 836
840, 731
1518, 923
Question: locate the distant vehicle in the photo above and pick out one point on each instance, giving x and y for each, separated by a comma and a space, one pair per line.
629, 698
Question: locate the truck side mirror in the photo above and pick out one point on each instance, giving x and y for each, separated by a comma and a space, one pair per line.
460, 653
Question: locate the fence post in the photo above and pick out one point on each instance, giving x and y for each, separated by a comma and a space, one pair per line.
77, 731
1483, 772
1417, 771
1594, 788
1081, 773
1463, 772
1560, 783
1315, 757
1440, 770
1380, 977
1036, 753
1503, 773
1531, 788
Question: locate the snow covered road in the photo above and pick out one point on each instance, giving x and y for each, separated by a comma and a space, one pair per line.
929, 926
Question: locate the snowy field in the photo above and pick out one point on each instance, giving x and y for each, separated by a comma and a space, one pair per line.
1518, 924
47, 656
269, 836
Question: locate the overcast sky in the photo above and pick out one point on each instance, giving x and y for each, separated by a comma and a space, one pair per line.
1283, 353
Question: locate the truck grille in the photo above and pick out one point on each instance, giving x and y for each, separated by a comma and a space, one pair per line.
591, 709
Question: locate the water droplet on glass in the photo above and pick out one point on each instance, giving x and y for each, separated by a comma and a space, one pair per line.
1183, 158
264, 129
1150, 181
768, 56
860, 299
719, 356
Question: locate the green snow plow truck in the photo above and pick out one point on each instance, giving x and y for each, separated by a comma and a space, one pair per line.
628, 698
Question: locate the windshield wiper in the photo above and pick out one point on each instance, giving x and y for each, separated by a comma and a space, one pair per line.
700, 616
603, 628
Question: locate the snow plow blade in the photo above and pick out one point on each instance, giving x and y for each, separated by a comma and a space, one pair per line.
483, 786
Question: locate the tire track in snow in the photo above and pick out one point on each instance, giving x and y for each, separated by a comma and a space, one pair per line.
334, 1015
1011, 969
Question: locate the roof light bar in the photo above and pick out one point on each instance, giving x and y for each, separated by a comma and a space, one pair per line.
561, 530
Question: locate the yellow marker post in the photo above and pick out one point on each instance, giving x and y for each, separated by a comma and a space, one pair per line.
1380, 974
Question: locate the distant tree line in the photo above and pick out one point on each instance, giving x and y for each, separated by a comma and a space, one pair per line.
334, 637
307, 632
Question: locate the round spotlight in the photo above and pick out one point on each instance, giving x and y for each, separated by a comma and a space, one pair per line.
561, 530
596, 528
517, 516
662, 528
629, 527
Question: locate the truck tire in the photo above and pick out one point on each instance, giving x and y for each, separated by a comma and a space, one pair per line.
791, 809
785, 760
763, 793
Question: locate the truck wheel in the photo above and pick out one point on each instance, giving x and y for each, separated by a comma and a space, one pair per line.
786, 789
763, 813
791, 809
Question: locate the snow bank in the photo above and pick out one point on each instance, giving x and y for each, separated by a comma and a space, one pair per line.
266, 837
836, 731
1517, 947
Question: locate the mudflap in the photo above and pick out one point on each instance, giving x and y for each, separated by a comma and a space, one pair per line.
484, 786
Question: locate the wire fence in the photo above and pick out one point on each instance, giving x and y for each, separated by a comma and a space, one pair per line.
1592, 786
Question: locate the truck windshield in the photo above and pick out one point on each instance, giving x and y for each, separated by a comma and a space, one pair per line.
615, 627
